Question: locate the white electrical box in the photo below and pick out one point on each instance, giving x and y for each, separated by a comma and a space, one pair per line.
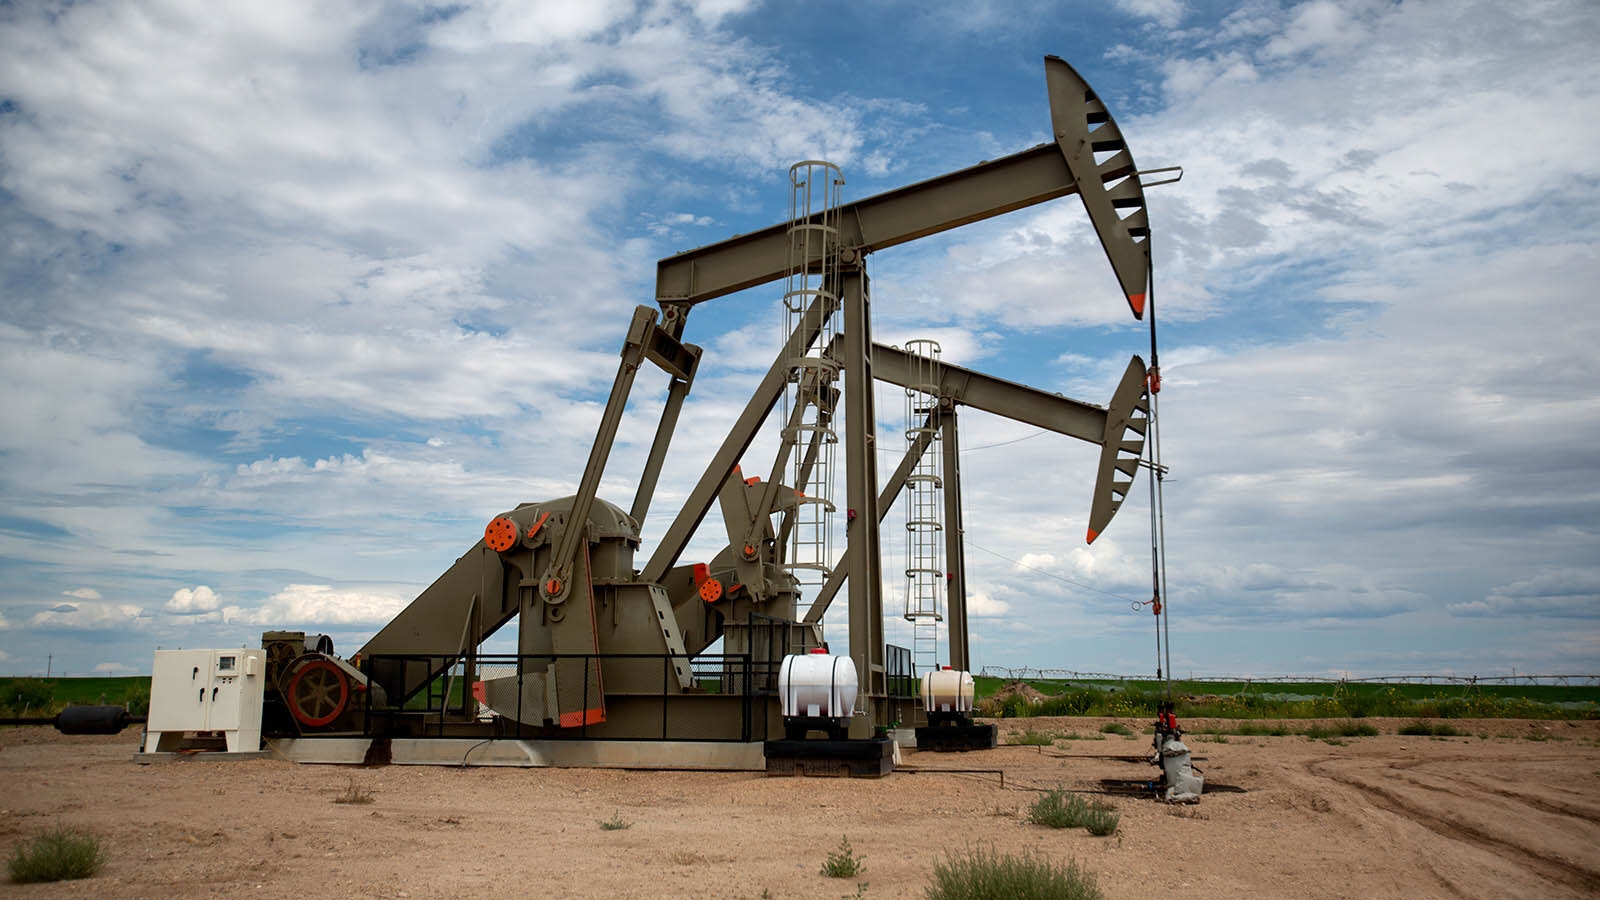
214, 692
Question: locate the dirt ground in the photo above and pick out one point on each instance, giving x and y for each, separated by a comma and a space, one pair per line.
1513, 810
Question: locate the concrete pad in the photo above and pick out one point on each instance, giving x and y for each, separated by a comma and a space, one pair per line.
323, 751
697, 755
688, 755
143, 758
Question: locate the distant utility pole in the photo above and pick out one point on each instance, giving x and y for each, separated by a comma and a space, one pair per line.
48, 660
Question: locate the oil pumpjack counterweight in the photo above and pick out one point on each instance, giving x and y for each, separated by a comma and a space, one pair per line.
610, 647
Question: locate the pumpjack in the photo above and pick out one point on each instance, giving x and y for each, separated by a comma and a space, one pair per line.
609, 649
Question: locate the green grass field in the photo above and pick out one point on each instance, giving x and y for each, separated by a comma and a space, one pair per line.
1239, 700
1311, 699
45, 697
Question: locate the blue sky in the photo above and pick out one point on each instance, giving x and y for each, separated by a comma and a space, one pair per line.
293, 299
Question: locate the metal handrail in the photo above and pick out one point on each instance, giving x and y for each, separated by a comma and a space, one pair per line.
741, 669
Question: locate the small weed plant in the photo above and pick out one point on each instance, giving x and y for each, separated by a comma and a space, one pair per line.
1116, 728
843, 862
1348, 728
354, 793
1420, 728
1101, 820
1058, 809
615, 823
1254, 729
987, 875
61, 854
1032, 738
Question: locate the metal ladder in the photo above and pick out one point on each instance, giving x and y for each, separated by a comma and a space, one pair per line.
924, 492
807, 409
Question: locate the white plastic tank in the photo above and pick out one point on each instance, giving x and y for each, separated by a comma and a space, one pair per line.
817, 685
947, 691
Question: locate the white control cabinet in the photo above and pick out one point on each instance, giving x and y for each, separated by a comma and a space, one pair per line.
214, 691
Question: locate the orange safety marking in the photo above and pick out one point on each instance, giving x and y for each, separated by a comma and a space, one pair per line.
1153, 379
1137, 302
500, 534
753, 481
583, 717
701, 573
711, 590
534, 528
552, 587
1092, 535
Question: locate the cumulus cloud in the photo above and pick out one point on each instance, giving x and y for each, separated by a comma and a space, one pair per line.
360, 284
1036, 561
1565, 593
1166, 13
188, 601
1318, 25
310, 605
90, 616
981, 605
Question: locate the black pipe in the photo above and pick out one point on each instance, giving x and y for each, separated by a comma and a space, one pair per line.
83, 720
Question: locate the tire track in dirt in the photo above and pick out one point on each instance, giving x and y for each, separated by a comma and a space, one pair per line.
1309, 770
1542, 804
1516, 854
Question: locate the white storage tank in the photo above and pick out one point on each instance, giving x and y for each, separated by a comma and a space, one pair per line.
947, 692
817, 685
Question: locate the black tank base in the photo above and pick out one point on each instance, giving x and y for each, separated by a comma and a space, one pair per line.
869, 758
957, 738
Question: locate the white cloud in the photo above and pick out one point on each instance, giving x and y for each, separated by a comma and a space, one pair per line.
1564, 593
112, 668
1318, 25
364, 276
90, 616
320, 604
981, 605
1036, 561
82, 593
187, 601
1166, 13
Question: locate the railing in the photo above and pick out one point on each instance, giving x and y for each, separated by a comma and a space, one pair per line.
900, 675
447, 699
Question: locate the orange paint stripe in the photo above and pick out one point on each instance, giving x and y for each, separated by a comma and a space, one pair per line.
583, 717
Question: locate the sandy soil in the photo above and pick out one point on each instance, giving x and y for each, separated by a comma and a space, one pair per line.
1514, 813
